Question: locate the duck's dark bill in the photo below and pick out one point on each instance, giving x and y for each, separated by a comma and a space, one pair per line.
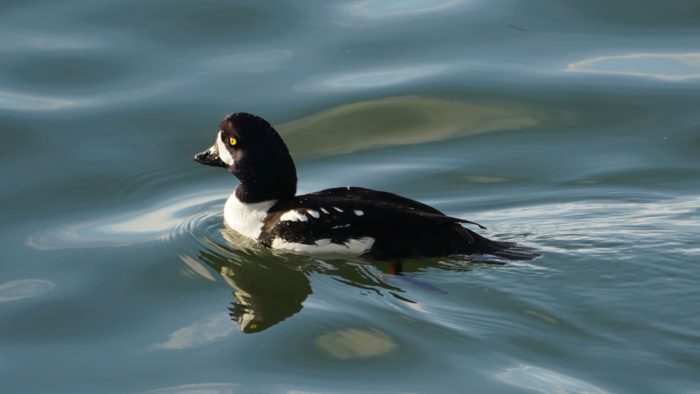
210, 158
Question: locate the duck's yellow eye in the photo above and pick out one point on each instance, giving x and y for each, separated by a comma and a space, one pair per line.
232, 141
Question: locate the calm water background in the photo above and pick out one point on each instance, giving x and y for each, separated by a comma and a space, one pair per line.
572, 127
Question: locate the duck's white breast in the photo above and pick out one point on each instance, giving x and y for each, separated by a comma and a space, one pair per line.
246, 218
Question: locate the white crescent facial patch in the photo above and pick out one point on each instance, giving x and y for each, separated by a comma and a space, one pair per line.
223, 151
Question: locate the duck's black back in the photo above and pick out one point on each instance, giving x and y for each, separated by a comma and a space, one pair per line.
400, 227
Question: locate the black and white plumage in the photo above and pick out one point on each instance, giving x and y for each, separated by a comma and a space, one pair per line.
351, 220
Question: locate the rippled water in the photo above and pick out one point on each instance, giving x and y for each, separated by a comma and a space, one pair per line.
571, 127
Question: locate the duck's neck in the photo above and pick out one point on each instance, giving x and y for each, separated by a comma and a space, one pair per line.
252, 192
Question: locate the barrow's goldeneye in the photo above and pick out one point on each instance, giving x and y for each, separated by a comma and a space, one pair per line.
352, 220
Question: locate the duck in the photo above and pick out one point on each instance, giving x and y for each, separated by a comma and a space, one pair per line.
343, 220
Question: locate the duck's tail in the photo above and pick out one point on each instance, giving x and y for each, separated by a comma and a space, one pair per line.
503, 249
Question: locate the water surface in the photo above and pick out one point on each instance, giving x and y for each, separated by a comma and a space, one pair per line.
571, 127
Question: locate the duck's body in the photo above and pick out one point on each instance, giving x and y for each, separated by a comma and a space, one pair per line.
350, 220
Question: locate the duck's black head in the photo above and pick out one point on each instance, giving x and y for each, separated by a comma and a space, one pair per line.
252, 150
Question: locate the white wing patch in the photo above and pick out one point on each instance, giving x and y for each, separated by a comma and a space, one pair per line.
324, 210
294, 216
338, 209
313, 213
359, 212
325, 246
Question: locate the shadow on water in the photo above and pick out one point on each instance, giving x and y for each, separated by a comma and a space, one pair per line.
406, 120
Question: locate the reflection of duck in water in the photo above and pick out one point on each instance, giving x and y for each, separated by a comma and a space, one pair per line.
351, 220
269, 290
266, 291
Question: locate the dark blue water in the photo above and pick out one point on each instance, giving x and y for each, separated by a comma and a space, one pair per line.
571, 127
